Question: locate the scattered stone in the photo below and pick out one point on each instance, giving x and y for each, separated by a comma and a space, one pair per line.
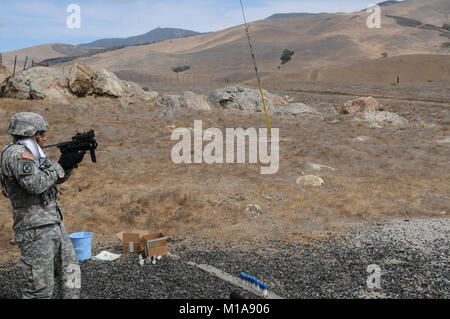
244, 99
295, 109
445, 140
331, 109
334, 121
81, 79
193, 101
362, 138
189, 100
381, 117
375, 125
150, 95
108, 84
254, 210
363, 104
80, 106
310, 180
318, 167
133, 89
164, 113
125, 101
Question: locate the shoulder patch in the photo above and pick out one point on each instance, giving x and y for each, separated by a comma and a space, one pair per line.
27, 156
26, 167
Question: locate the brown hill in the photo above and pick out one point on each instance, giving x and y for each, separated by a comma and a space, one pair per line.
409, 68
324, 45
39, 53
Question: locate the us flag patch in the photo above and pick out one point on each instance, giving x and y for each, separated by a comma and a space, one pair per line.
28, 156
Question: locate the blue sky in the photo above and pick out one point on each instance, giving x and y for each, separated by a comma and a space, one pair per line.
25, 23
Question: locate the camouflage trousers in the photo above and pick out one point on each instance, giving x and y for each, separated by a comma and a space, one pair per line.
48, 256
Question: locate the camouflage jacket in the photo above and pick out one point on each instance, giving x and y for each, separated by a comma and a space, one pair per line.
32, 191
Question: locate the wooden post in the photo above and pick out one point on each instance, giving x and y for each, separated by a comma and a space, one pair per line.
15, 61
1, 60
398, 80
25, 64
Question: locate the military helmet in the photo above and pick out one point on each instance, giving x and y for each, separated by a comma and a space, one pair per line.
26, 124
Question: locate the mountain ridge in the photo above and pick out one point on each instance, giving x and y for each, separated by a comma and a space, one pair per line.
155, 35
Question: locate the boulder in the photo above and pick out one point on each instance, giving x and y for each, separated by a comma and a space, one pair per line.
244, 99
5, 74
362, 104
193, 101
380, 117
188, 100
39, 83
150, 95
295, 109
81, 80
108, 84
133, 89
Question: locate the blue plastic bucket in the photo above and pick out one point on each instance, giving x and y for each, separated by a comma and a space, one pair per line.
82, 244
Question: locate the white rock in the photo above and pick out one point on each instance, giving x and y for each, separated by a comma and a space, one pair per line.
310, 180
150, 95
107, 83
318, 167
295, 109
254, 209
381, 117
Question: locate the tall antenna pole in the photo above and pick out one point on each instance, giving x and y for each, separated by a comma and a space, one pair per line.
256, 67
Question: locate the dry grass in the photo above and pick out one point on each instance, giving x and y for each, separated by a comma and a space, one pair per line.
136, 185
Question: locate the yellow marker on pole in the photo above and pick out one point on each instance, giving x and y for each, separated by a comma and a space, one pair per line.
265, 108
256, 68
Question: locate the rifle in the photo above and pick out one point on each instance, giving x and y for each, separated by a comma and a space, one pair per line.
80, 142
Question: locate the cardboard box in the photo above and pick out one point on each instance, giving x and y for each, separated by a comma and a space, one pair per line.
144, 241
155, 244
132, 240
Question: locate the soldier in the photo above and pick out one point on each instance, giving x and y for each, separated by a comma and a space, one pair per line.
29, 179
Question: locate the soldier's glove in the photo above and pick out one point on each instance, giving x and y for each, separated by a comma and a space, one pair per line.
71, 160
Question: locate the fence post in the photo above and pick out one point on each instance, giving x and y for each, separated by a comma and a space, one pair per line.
15, 61
1, 60
25, 64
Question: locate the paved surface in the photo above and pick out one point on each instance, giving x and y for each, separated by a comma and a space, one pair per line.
413, 257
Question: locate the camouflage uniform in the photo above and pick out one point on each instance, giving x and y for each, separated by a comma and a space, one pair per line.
45, 247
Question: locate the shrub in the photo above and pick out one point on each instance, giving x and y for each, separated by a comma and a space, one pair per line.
286, 56
446, 26
384, 55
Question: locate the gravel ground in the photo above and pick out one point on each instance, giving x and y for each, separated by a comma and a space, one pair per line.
413, 257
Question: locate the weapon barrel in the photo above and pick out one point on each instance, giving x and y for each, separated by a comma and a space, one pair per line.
57, 145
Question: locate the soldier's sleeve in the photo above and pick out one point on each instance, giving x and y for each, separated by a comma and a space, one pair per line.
30, 177
67, 173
